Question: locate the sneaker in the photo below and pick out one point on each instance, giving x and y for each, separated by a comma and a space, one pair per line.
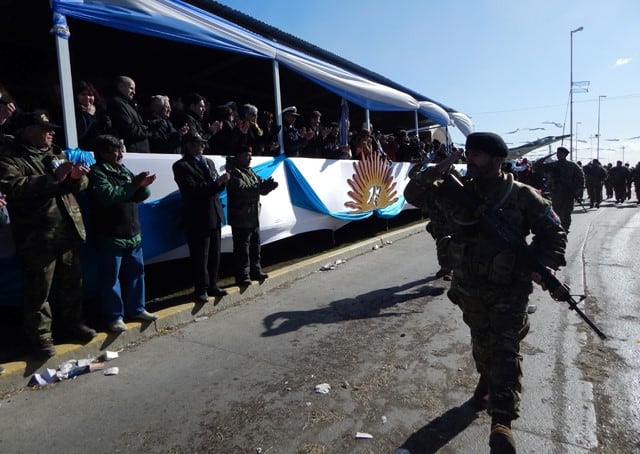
117, 326
501, 440
44, 348
83, 332
146, 316
260, 276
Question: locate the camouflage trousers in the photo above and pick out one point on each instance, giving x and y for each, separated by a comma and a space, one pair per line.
436, 231
563, 206
41, 269
498, 321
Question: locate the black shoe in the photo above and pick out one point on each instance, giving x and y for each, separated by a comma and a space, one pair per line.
216, 291
201, 297
82, 332
259, 276
44, 348
243, 281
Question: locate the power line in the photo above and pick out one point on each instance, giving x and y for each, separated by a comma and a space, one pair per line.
522, 109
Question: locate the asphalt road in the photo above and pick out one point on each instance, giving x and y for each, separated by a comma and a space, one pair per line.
380, 331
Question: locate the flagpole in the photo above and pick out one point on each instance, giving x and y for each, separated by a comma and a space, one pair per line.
571, 91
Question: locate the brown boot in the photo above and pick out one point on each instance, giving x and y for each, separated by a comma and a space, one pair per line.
501, 440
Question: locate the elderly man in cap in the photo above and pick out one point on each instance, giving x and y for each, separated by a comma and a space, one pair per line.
567, 183
295, 140
243, 197
202, 215
41, 184
491, 283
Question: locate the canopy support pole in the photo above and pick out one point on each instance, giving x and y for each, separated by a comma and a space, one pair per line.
415, 117
278, 101
61, 31
367, 119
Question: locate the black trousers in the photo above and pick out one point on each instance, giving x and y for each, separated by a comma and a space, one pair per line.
204, 249
246, 251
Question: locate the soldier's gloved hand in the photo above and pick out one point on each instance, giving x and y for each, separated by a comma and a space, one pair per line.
537, 277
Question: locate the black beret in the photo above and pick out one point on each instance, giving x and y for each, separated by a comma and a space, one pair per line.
239, 149
488, 142
563, 150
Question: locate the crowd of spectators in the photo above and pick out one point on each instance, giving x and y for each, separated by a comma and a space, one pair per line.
39, 188
157, 124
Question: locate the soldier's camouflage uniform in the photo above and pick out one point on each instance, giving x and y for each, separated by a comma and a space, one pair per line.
48, 231
420, 193
567, 183
491, 284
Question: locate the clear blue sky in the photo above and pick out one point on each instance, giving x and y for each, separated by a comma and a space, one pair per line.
505, 63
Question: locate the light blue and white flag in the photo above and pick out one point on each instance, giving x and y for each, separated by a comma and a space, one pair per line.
580, 87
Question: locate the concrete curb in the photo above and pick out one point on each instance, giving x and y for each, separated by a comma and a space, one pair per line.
18, 373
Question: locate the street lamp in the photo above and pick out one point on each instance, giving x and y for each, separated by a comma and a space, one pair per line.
598, 145
579, 29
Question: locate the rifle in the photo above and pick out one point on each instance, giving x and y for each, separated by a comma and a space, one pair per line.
579, 200
453, 189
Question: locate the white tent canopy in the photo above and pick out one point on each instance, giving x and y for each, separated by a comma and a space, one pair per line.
180, 21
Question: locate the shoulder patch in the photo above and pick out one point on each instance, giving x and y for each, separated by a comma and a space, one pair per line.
552, 216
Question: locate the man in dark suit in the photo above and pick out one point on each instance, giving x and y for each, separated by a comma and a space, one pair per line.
200, 184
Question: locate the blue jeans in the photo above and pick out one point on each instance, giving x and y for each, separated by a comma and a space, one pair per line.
121, 282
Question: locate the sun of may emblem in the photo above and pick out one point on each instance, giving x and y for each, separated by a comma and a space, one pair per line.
372, 184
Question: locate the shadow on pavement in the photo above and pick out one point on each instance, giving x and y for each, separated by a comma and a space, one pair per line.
430, 438
368, 305
170, 283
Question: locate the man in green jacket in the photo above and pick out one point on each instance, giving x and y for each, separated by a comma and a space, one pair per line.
243, 197
41, 184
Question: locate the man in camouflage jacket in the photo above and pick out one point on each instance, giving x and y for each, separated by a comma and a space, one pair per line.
40, 184
491, 283
243, 197
567, 184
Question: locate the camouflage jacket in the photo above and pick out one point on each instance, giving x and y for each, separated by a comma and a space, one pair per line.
243, 198
44, 211
566, 177
477, 258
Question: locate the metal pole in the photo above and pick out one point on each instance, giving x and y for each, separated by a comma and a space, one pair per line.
571, 91
577, 123
598, 143
277, 95
66, 87
571, 97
